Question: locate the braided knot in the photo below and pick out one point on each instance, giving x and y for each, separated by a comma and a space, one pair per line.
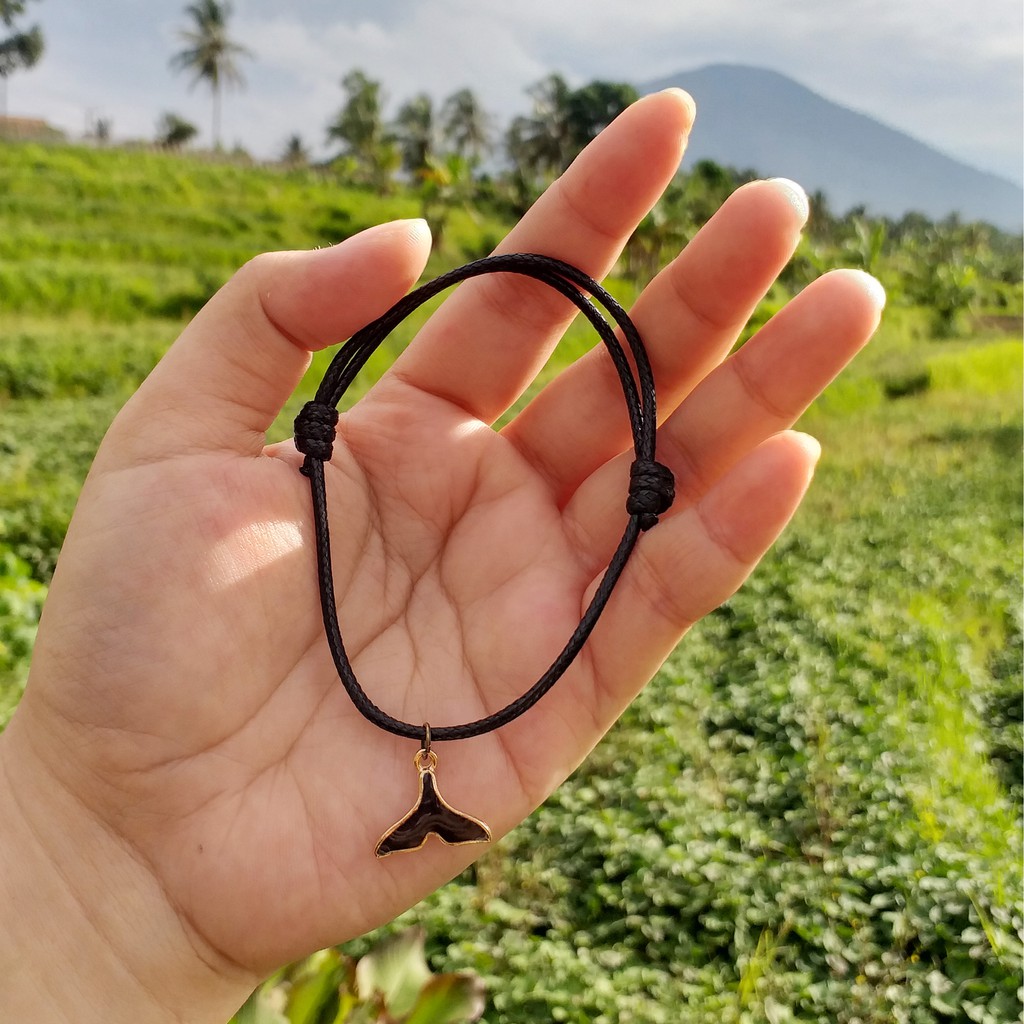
652, 489
314, 430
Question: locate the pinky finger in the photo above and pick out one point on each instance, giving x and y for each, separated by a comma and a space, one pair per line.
693, 561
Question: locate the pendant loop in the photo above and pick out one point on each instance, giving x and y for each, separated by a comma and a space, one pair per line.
425, 760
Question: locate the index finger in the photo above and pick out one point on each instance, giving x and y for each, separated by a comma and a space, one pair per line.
488, 341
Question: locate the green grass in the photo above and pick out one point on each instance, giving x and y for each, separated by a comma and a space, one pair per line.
990, 369
130, 235
813, 813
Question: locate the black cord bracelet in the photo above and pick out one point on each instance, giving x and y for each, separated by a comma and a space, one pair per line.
651, 492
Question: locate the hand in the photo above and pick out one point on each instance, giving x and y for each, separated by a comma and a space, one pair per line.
185, 758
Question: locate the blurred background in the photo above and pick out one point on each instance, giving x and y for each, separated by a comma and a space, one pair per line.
814, 812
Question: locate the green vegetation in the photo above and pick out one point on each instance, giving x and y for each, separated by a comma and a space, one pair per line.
390, 985
174, 132
814, 812
563, 122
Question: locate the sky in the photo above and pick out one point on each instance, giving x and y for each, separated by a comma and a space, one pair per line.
948, 72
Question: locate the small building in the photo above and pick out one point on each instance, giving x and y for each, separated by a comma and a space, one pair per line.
28, 129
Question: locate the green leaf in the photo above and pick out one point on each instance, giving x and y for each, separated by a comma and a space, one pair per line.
397, 970
943, 1006
258, 1009
350, 1012
776, 1012
449, 999
313, 985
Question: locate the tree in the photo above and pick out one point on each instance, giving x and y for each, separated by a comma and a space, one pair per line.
466, 125
416, 133
20, 50
708, 185
445, 184
563, 121
866, 243
539, 144
359, 126
210, 55
173, 131
295, 153
101, 130
660, 235
591, 108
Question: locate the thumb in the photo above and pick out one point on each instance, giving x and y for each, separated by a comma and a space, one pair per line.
223, 382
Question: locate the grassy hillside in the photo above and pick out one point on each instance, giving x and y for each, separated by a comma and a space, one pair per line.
128, 235
813, 814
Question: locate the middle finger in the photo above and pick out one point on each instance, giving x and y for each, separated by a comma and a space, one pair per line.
689, 318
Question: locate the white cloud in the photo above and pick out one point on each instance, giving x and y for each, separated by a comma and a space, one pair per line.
946, 71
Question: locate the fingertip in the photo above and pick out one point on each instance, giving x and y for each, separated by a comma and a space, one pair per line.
321, 296
660, 124
778, 203
807, 443
229, 374
855, 298
683, 100
785, 462
872, 287
667, 114
404, 240
794, 194
412, 231
749, 507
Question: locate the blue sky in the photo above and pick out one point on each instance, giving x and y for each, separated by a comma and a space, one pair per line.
949, 73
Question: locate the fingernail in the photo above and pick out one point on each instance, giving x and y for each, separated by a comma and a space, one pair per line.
875, 290
414, 225
413, 228
810, 445
795, 195
683, 95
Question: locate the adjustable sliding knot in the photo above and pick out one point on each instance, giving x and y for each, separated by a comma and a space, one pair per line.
652, 489
315, 428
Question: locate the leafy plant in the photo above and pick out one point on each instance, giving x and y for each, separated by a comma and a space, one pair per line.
814, 812
21, 600
392, 984
173, 131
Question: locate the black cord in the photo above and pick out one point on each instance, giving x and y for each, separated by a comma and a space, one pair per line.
651, 485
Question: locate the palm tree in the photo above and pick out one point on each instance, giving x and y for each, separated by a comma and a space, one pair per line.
210, 55
360, 127
564, 120
467, 127
416, 133
541, 144
18, 50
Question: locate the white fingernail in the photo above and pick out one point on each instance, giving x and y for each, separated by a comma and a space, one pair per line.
876, 289
811, 445
795, 194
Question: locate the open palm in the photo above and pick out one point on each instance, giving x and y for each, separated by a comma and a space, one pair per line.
182, 687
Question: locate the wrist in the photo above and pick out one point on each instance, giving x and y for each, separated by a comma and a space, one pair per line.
86, 932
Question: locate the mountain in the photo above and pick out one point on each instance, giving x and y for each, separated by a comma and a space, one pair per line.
754, 118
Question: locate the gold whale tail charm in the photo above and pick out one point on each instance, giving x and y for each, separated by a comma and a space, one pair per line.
431, 814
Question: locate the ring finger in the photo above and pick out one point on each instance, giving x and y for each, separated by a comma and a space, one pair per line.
757, 392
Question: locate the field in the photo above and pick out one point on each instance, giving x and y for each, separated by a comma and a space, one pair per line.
813, 813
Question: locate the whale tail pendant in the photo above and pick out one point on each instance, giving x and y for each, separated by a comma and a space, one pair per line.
431, 814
